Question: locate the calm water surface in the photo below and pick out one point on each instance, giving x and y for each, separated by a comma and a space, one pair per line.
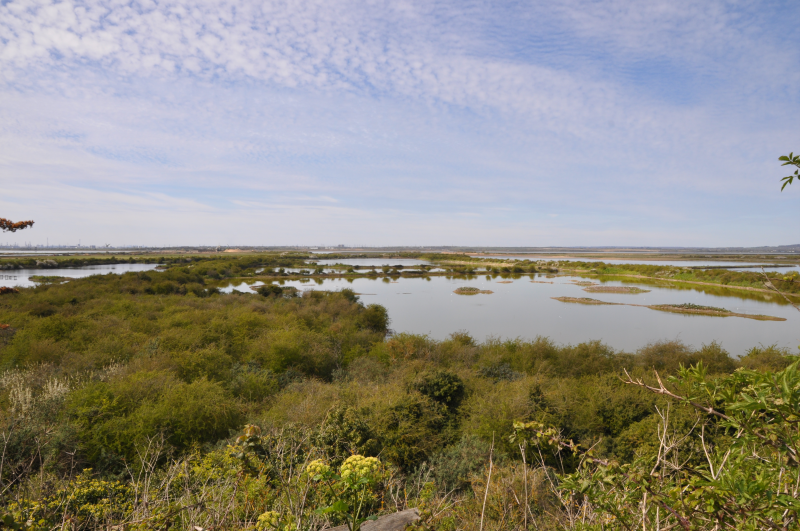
20, 278
525, 309
677, 263
377, 262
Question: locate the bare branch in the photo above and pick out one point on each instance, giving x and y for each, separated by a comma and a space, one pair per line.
771, 286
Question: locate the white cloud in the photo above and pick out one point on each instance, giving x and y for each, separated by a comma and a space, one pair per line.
359, 110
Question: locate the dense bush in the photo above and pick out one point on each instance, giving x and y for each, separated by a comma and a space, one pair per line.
443, 387
97, 372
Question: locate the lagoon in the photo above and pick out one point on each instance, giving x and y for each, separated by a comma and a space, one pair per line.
526, 309
20, 278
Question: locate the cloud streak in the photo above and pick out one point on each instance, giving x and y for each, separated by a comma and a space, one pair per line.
665, 115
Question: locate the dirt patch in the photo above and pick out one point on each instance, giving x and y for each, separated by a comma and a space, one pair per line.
472, 291
541, 282
585, 300
615, 289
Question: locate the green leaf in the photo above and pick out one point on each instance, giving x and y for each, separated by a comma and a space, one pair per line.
339, 506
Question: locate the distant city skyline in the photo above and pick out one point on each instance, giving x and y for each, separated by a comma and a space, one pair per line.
575, 123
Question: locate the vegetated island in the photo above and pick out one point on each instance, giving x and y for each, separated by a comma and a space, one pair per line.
586, 300
584, 283
686, 308
753, 280
505, 281
47, 279
709, 310
615, 289
471, 291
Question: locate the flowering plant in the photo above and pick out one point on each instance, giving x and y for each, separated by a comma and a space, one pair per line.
352, 489
273, 520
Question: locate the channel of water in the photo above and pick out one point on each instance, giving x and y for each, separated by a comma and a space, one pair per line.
20, 278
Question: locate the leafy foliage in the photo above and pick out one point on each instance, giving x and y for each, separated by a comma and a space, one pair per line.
791, 160
745, 477
133, 384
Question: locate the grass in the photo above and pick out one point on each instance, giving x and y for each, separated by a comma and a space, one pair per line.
48, 278
691, 306
583, 300
695, 309
615, 289
467, 290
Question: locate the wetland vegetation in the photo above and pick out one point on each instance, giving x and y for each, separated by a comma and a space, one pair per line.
584, 300
615, 289
468, 290
151, 400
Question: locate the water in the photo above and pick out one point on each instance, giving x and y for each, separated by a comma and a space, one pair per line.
15, 253
732, 266
20, 278
525, 309
377, 262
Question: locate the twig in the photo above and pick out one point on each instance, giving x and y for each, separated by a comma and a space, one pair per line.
771, 286
488, 482
662, 390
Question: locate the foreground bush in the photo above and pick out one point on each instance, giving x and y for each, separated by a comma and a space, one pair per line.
111, 391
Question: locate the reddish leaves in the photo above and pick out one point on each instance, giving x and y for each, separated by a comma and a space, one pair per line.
7, 291
6, 225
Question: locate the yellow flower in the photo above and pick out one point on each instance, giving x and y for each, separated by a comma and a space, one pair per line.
317, 468
359, 466
268, 520
273, 520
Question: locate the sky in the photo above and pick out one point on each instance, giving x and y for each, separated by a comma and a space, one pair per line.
432, 122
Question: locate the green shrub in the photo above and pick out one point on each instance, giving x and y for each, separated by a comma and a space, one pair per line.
770, 358
116, 419
411, 430
443, 387
454, 465
345, 432
375, 318
251, 383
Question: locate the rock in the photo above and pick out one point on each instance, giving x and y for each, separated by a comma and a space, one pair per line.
390, 522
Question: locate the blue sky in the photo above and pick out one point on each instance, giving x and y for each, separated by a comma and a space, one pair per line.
578, 122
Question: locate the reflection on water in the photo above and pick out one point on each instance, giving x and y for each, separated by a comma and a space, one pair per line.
525, 309
377, 262
732, 266
20, 278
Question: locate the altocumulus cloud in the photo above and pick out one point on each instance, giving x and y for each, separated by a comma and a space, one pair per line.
614, 122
